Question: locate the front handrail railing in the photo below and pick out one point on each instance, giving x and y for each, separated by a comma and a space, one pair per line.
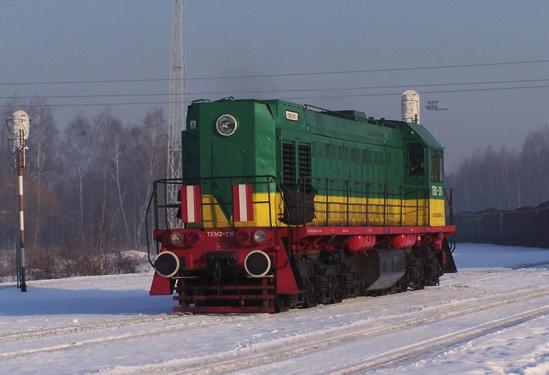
218, 193
353, 203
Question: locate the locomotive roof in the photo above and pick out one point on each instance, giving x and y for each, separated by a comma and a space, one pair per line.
349, 115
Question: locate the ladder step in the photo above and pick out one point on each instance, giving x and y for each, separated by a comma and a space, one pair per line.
231, 297
228, 287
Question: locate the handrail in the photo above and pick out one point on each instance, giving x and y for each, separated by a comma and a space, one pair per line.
450, 201
158, 204
381, 203
147, 234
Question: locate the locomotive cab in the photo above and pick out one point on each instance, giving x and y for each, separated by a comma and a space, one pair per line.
424, 167
228, 143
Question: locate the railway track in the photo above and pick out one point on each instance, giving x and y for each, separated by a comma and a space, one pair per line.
64, 330
68, 330
287, 348
402, 354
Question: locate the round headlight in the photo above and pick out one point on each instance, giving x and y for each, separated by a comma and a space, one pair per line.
176, 239
226, 125
260, 236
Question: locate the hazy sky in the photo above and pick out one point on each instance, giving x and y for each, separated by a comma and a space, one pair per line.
69, 40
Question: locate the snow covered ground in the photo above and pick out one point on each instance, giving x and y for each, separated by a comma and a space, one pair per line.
493, 319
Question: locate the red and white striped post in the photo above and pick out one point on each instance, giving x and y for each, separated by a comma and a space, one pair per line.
21, 201
19, 134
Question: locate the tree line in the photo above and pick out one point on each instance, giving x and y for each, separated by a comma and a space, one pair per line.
86, 190
503, 179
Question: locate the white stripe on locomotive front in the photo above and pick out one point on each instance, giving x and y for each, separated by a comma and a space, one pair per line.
190, 204
243, 202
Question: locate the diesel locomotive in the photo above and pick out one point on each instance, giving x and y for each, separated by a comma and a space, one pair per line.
284, 205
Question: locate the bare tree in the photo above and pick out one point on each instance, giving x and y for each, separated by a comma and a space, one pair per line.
87, 193
112, 147
504, 179
42, 164
149, 146
77, 148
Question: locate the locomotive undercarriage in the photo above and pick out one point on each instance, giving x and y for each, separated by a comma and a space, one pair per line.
334, 276
324, 277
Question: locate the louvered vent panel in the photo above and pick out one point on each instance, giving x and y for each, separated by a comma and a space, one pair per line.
288, 164
304, 164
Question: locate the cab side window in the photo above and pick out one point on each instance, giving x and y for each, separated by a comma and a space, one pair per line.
436, 166
416, 159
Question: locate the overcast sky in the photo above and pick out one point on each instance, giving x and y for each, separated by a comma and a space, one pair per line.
68, 40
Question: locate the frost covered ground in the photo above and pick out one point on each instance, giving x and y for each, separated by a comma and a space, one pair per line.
493, 319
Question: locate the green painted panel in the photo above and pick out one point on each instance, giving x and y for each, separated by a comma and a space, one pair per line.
356, 149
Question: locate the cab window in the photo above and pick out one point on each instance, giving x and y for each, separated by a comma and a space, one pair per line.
416, 159
436, 166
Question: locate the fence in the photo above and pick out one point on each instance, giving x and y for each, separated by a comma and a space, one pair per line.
526, 226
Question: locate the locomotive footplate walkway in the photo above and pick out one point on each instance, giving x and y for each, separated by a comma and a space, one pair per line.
314, 231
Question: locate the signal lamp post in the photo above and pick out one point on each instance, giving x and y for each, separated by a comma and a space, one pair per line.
433, 105
18, 126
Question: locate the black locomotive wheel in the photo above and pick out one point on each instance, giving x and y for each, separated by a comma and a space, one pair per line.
336, 294
311, 297
348, 283
416, 272
433, 271
330, 288
324, 290
401, 285
282, 303
293, 301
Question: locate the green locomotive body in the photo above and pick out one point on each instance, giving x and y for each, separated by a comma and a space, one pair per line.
392, 168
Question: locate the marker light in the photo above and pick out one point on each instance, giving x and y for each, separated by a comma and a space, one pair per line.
260, 236
176, 239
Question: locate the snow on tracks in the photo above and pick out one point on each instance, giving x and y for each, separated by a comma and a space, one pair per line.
110, 324
423, 347
65, 330
66, 333
269, 352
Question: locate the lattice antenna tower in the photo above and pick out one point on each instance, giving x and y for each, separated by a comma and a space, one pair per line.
177, 108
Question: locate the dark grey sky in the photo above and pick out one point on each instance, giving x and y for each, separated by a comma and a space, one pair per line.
59, 40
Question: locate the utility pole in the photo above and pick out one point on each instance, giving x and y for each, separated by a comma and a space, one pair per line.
18, 127
433, 105
177, 108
